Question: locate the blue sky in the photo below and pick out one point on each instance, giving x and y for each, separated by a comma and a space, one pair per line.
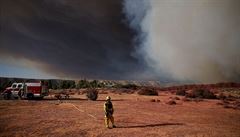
21, 69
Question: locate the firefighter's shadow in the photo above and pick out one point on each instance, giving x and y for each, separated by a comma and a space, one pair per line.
111, 100
151, 125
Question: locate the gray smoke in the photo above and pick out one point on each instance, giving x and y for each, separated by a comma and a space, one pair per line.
188, 39
69, 38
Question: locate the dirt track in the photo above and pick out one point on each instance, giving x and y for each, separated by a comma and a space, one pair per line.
134, 115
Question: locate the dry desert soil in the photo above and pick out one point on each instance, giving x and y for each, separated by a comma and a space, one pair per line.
135, 115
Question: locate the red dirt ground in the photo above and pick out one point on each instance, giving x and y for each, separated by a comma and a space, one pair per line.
135, 115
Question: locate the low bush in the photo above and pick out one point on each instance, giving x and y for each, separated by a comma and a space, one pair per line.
208, 95
130, 86
92, 94
155, 100
148, 92
226, 102
230, 98
181, 92
171, 102
185, 99
152, 100
177, 98
58, 96
221, 96
201, 93
233, 105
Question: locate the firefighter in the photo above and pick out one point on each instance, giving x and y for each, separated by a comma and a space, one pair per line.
108, 109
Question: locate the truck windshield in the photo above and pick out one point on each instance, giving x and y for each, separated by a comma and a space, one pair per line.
19, 86
14, 86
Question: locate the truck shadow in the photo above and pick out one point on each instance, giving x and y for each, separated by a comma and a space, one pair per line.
151, 125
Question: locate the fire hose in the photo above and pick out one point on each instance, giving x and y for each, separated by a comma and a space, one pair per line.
90, 115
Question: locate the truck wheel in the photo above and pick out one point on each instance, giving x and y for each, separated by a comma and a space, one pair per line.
5, 96
8, 96
20, 94
23, 95
40, 98
30, 96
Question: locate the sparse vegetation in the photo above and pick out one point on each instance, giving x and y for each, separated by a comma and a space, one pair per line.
171, 102
230, 104
152, 100
155, 100
66, 84
83, 84
130, 86
92, 94
208, 95
126, 86
181, 92
58, 96
185, 99
186, 112
177, 98
5, 82
148, 92
89, 84
221, 96
201, 93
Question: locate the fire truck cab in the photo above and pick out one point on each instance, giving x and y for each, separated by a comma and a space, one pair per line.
28, 90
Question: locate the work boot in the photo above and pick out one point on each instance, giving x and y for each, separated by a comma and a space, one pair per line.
114, 126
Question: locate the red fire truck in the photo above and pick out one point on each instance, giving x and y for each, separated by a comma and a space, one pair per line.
28, 90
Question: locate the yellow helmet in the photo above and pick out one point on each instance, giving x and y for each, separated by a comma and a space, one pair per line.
108, 98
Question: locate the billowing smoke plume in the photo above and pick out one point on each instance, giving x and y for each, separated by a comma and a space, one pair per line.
196, 40
68, 38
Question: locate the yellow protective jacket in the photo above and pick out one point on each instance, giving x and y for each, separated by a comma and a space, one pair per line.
108, 108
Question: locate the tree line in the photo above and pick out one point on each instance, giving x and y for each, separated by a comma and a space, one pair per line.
66, 84
70, 84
